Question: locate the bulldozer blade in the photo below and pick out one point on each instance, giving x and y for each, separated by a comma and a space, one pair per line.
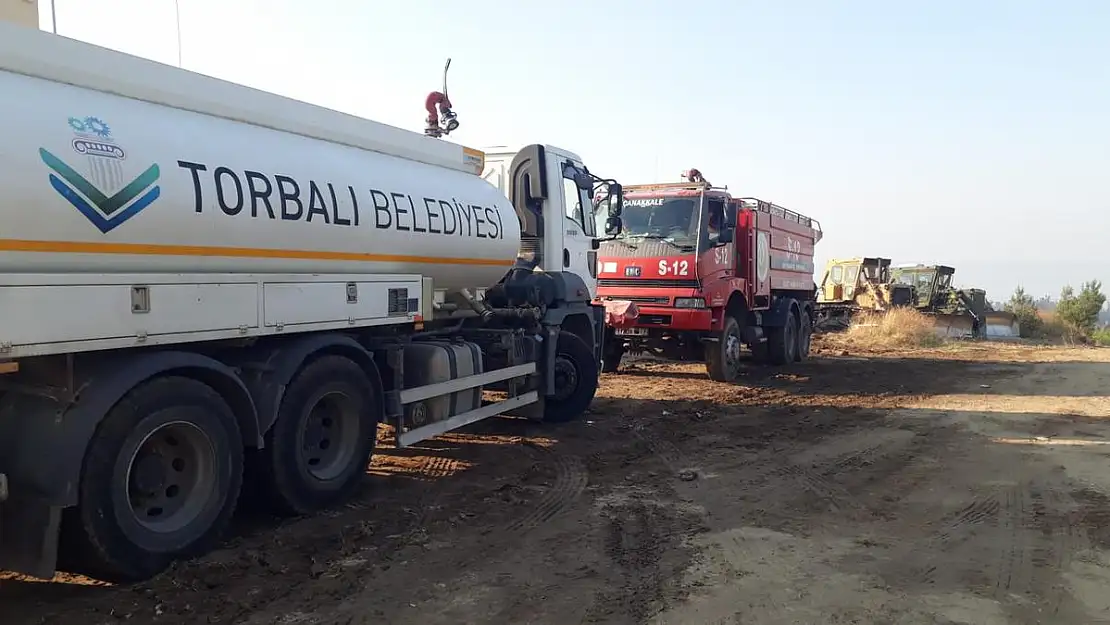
953, 326
1002, 325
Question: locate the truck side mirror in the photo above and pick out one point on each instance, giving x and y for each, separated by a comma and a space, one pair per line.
610, 195
613, 226
616, 199
725, 236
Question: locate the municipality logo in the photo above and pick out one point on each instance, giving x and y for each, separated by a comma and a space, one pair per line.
104, 193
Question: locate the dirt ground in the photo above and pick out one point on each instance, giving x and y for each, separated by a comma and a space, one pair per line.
961, 485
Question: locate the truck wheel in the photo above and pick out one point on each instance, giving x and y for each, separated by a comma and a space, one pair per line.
320, 444
612, 363
576, 378
611, 357
782, 342
722, 359
805, 338
160, 481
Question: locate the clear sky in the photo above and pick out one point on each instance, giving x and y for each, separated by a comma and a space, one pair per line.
974, 133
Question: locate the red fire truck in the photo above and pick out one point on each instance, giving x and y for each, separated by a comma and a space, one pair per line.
707, 273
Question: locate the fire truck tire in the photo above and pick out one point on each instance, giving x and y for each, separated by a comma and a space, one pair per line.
782, 342
576, 378
805, 337
611, 357
722, 358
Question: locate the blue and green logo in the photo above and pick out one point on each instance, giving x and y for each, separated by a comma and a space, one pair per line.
105, 195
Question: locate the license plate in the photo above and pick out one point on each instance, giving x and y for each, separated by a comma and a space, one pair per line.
632, 331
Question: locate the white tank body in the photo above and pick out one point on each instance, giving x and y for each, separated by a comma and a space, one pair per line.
102, 183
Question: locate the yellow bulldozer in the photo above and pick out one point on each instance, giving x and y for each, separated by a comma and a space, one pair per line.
958, 313
870, 284
855, 285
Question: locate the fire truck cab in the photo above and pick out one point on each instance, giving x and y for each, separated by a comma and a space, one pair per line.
708, 273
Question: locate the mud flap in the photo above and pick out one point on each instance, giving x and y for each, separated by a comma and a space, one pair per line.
29, 537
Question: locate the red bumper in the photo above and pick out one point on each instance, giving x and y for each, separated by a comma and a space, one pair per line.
625, 314
679, 319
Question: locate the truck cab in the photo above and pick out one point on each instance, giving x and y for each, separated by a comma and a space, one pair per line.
565, 238
670, 247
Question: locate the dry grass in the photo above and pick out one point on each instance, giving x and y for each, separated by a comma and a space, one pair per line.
900, 328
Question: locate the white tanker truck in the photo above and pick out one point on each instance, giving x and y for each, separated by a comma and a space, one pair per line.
203, 285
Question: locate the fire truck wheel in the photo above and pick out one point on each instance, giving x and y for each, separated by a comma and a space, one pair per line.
805, 337
782, 342
576, 378
318, 448
611, 357
161, 481
722, 358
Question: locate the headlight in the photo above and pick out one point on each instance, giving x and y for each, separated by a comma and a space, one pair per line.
689, 302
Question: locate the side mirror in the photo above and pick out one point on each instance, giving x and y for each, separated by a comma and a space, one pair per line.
616, 199
611, 196
725, 236
613, 226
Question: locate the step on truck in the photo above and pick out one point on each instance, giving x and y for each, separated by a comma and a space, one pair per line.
707, 273
205, 286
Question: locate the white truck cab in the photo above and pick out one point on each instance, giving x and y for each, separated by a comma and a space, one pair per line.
563, 238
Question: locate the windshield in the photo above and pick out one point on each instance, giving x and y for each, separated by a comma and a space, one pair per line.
920, 279
876, 273
673, 219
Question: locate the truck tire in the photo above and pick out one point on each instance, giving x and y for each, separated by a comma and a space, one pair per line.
576, 378
611, 356
319, 447
160, 482
722, 358
611, 363
805, 338
782, 342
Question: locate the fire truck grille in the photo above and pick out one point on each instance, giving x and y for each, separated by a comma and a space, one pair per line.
639, 299
648, 283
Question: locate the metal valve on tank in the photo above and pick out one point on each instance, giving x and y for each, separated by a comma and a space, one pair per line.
441, 119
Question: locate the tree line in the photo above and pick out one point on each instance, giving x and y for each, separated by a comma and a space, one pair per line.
1076, 317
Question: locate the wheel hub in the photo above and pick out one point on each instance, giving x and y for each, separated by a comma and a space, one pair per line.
170, 477
328, 436
149, 475
566, 378
732, 349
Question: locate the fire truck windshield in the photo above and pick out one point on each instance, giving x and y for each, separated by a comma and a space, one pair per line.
673, 219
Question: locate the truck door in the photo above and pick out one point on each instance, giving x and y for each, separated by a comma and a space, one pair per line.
578, 255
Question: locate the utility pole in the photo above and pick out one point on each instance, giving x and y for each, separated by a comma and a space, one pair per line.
177, 15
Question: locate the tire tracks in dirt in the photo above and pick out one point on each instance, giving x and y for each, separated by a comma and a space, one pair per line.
767, 470
1013, 566
815, 478
1065, 539
1033, 541
951, 531
569, 482
571, 478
